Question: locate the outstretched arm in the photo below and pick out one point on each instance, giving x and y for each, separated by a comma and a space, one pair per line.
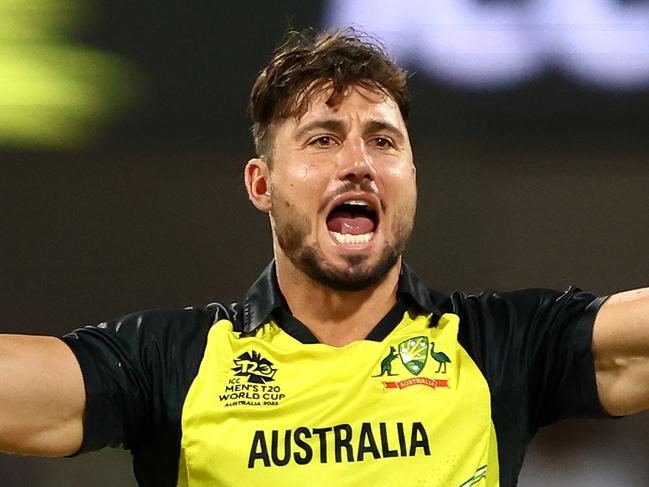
42, 396
621, 350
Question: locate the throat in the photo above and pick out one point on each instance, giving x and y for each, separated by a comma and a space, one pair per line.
337, 319
337, 333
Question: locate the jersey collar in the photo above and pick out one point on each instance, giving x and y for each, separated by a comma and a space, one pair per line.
264, 297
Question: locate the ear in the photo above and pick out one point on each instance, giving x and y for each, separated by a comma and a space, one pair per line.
257, 177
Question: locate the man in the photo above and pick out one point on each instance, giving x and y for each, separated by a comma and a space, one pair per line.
340, 366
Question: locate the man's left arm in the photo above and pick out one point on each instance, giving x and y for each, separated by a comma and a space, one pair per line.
621, 351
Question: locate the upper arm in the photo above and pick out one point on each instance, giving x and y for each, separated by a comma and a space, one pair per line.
136, 371
42, 396
621, 352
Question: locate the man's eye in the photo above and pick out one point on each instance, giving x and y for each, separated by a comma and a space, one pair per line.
383, 143
323, 141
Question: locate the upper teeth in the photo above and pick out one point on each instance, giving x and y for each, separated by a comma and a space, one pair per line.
356, 202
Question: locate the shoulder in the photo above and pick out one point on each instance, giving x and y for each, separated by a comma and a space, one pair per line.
523, 303
520, 302
522, 318
152, 331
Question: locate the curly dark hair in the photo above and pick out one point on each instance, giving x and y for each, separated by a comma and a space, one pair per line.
307, 63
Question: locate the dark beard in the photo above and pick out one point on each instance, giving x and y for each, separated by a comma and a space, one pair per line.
310, 260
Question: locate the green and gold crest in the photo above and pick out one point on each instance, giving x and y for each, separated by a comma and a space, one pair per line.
413, 353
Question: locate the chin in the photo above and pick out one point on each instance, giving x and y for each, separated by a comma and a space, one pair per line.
355, 272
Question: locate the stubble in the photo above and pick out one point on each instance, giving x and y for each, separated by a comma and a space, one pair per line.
292, 228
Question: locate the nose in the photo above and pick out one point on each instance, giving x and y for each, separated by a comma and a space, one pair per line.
355, 164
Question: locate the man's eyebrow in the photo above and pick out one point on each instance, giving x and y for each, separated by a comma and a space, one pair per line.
338, 126
383, 126
330, 125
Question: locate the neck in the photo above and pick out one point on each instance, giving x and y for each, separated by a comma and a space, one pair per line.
336, 317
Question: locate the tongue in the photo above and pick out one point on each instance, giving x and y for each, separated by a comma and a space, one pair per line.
343, 222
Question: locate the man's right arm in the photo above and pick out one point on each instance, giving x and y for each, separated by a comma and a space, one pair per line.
42, 396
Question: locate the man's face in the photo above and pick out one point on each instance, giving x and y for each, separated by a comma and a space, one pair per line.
343, 189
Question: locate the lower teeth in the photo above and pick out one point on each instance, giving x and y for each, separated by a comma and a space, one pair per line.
346, 238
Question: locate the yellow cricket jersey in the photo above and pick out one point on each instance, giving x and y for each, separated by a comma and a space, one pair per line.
369, 413
445, 391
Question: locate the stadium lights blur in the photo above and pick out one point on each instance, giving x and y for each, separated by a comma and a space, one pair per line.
54, 92
476, 45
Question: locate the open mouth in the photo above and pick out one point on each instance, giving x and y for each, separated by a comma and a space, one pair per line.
353, 222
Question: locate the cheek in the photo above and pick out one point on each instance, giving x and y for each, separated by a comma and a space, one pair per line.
304, 177
294, 205
398, 167
306, 173
402, 191
403, 180
310, 187
285, 202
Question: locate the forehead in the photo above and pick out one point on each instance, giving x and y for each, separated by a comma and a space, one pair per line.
357, 103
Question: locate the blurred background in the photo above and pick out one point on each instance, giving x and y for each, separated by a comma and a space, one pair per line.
123, 136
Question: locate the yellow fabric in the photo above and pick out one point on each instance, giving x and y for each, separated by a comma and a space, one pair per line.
346, 424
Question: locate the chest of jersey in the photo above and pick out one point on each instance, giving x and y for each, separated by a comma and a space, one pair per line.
268, 410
